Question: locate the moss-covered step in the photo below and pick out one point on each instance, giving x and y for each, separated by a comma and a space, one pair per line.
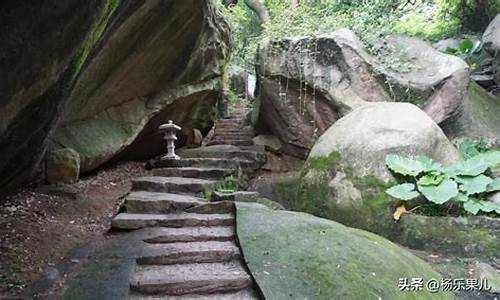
295, 255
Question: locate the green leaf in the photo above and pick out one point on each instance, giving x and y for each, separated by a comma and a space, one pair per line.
494, 185
468, 149
474, 185
441, 193
491, 158
461, 197
404, 166
488, 206
466, 46
470, 167
473, 206
405, 191
429, 164
433, 178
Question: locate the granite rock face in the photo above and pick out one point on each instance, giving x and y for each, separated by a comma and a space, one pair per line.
102, 79
306, 84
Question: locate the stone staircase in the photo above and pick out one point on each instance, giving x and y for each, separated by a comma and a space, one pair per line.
232, 130
190, 249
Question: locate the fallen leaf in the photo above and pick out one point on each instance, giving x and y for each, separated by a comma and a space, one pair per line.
399, 211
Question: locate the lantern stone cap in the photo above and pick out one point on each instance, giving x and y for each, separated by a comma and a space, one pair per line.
170, 126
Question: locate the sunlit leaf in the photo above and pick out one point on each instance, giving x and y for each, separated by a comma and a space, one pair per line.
473, 206
470, 167
429, 164
404, 166
433, 178
473, 185
441, 193
494, 185
405, 191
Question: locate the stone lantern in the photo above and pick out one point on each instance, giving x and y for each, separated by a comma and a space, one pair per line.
169, 131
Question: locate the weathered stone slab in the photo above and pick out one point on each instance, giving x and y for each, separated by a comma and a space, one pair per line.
190, 278
171, 184
190, 234
151, 202
193, 252
136, 221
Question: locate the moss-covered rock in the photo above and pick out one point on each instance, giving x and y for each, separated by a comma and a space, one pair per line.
298, 256
102, 75
345, 176
465, 237
479, 117
62, 165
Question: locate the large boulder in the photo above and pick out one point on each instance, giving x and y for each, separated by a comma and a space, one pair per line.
478, 118
415, 72
491, 47
107, 71
345, 176
297, 256
306, 84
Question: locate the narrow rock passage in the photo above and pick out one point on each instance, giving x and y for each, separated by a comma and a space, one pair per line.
191, 251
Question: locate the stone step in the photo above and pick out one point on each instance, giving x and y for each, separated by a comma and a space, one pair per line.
189, 234
233, 126
223, 151
152, 202
171, 184
205, 163
136, 221
219, 207
242, 196
231, 142
191, 252
234, 136
233, 131
245, 294
203, 278
203, 173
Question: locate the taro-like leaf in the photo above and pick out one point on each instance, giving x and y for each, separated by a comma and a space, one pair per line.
473, 185
470, 167
433, 178
473, 206
491, 158
429, 164
468, 149
488, 206
494, 185
404, 166
461, 197
441, 193
405, 191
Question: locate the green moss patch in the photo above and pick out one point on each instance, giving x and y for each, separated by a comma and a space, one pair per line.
297, 256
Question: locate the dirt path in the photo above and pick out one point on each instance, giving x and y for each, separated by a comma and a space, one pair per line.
39, 225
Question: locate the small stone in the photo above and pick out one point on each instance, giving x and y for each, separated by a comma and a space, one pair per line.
63, 166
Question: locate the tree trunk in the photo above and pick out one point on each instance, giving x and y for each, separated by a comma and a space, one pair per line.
259, 9
294, 3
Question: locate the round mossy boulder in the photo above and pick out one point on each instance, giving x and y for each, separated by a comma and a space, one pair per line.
298, 256
345, 176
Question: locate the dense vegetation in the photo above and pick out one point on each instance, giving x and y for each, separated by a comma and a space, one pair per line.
371, 20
